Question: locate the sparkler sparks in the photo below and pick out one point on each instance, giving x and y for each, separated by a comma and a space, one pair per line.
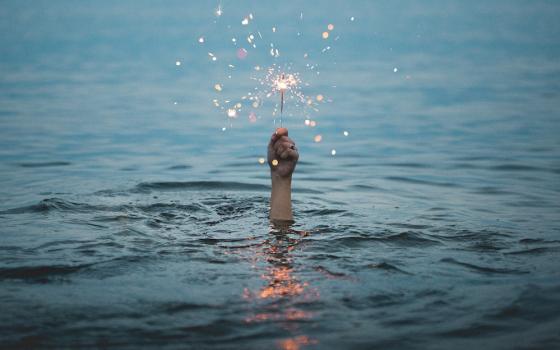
280, 87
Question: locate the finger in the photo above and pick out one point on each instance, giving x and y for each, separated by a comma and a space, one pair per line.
285, 153
282, 132
279, 147
273, 139
293, 154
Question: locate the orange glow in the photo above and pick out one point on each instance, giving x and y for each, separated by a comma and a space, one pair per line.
281, 284
296, 342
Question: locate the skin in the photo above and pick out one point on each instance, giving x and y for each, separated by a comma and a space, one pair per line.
280, 149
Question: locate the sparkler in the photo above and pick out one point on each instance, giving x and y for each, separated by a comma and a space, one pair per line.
278, 78
282, 84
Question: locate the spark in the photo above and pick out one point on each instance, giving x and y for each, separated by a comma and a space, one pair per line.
274, 162
218, 87
201, 40
318, 138
333, 152
178, 63
261, 160
319, 97
345, 133
281, 83
232, 113
330, 27
325, 35
219, 10
395, 70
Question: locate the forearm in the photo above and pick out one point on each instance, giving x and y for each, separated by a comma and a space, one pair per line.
281, 198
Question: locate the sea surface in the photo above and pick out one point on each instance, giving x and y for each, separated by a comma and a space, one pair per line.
134, 213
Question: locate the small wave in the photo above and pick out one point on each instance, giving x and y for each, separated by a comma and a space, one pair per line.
387, 267
43, 164
362, 187
409, 239
535, 251
409, 226
483, 269
39, 273
491, 190
421, 182
407, 165
178, 307
514, 167
323, 212
200, 185
330, 274
50, 204
179, 167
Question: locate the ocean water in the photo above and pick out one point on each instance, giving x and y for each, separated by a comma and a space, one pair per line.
129, 219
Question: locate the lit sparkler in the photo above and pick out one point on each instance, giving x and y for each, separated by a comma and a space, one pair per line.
278, 78
281, 83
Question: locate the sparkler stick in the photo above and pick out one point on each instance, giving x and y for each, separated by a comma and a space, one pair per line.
281, 102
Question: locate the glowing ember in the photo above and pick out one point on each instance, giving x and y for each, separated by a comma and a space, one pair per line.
219, 11
318, 138
218, 87
345, 133
325, 35
319, 98
333, 152
178, 63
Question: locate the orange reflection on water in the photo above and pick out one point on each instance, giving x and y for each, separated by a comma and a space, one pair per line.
281, 284
282, 289
288, 315
296, 342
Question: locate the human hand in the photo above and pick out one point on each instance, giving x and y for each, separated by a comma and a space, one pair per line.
282, 154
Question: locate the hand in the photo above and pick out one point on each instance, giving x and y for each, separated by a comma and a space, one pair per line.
283, 150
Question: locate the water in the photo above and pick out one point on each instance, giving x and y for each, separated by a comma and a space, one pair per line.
130, 221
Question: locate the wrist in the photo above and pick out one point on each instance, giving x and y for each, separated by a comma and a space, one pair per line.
278, 180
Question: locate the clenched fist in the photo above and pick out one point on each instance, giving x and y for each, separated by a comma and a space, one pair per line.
282, 154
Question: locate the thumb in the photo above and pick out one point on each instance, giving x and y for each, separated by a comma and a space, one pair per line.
281, 132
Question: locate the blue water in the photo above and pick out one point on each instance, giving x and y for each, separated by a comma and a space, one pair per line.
129, 219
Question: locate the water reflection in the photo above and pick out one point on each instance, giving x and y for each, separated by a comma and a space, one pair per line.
276, 300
